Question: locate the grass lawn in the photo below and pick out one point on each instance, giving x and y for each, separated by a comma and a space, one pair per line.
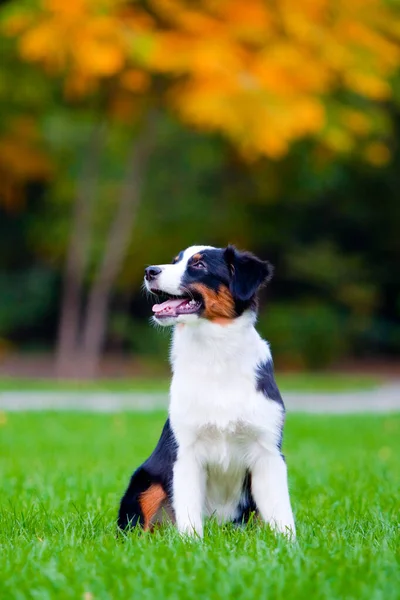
62, 476
299, 382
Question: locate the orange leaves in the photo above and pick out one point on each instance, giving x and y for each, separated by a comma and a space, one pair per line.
266, 127
288, 69
135, 80
369, 85
355, 121
42, 43
21, 160
261, 73
99, 49
94, 47
84, 40
20, 152
377, 154
71, 10
246, 18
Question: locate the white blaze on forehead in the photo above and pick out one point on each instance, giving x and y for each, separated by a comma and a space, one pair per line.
170, 278
192, 250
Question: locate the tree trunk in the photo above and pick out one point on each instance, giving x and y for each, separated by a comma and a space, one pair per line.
115, 248
77, 255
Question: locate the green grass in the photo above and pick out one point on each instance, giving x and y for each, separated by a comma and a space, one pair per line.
300, 382
326, 382
62, 476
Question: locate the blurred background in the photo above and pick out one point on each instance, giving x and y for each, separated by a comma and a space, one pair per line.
130, 130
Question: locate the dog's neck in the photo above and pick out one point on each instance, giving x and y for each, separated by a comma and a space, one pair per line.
212, 331
212, 344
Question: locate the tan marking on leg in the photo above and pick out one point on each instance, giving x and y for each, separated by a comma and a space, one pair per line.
150, 501
164, 514
218, 305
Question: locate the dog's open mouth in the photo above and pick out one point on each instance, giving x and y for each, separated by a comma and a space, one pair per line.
175, 306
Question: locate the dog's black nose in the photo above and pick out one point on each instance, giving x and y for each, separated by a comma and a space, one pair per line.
151, 273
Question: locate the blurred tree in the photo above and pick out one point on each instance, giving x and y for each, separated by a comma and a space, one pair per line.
264, 75
89, 50
23, 154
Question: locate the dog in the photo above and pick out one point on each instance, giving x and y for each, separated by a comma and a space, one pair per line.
219, 453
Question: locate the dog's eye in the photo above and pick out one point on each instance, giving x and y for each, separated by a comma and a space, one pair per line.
199, 265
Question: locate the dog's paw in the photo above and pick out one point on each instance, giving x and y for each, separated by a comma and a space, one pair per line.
284, 527
190, 530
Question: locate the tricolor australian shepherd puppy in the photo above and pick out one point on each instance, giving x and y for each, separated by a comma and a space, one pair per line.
219, 453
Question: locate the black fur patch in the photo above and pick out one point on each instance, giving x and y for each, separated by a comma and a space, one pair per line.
178, 258
267, 385
266, 382
248, 273
215, 273
158, 468
247, 506
241, 272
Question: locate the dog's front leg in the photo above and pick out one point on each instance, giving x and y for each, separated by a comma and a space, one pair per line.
271, 493
188, 493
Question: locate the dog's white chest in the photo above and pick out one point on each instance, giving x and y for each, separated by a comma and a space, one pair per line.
223, 416
215, 405
223, 400
224, 455
225, 449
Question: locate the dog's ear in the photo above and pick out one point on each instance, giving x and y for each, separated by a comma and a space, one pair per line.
247, 271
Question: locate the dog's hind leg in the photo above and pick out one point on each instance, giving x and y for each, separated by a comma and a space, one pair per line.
147, 499
142, 502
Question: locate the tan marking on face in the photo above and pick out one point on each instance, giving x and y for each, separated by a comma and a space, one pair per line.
176, 259
197, 257
218, 304
150, 502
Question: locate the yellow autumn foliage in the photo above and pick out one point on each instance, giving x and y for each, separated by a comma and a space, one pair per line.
22, 159
261, 73
286, 58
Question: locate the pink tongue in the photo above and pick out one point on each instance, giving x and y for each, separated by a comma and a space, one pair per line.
168, 304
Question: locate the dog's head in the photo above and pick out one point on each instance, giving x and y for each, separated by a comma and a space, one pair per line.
203, 282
